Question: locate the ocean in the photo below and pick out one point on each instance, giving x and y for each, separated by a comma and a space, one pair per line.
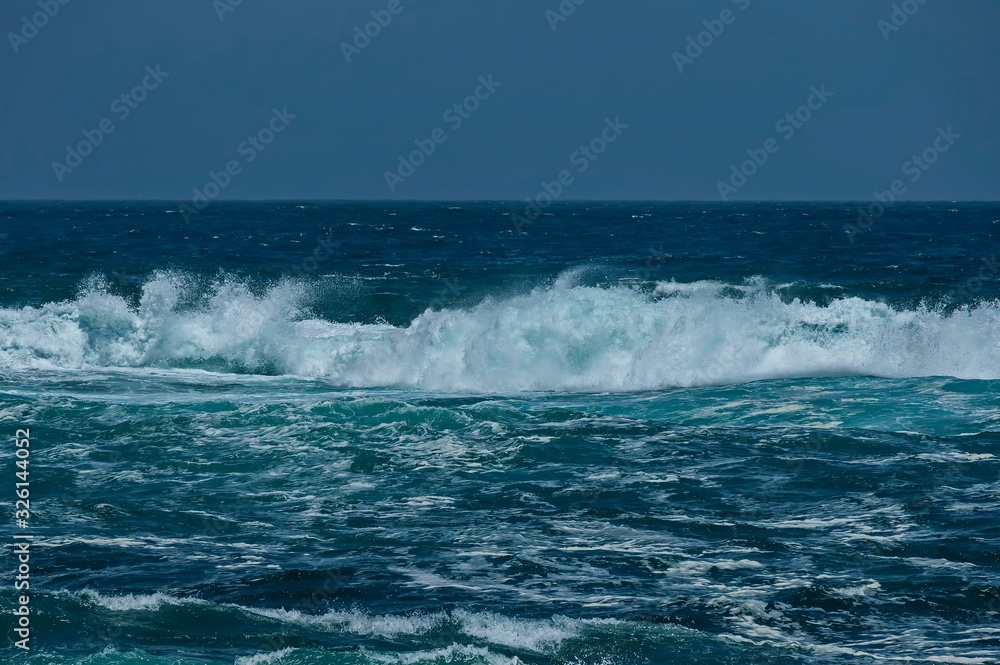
343, 433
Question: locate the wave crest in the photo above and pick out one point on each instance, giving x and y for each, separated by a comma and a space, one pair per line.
563, 337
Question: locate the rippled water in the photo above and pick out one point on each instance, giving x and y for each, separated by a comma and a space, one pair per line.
446, 442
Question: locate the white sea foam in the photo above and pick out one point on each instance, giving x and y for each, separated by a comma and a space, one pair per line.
137, 602
516, 633
359, 623
564, 337
694, 567
701, 287
450, 654
262, 658
539, 635
862, 590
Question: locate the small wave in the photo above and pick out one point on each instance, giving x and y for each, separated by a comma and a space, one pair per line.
263, 658
137, 602
533, 635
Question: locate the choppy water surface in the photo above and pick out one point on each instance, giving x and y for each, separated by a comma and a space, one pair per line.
638, 433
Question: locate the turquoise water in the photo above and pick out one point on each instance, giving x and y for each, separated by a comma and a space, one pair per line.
637, 433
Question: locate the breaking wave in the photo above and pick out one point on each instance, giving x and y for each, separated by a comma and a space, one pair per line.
564, 337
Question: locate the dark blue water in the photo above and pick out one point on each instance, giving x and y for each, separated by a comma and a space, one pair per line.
406, 433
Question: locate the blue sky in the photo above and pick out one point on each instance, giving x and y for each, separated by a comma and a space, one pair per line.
558, 73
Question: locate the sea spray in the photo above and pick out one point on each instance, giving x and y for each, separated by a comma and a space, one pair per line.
559, 337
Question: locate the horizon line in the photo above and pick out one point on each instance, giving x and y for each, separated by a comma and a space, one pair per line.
485, 200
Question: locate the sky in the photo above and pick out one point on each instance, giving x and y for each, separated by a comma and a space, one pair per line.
637, 99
